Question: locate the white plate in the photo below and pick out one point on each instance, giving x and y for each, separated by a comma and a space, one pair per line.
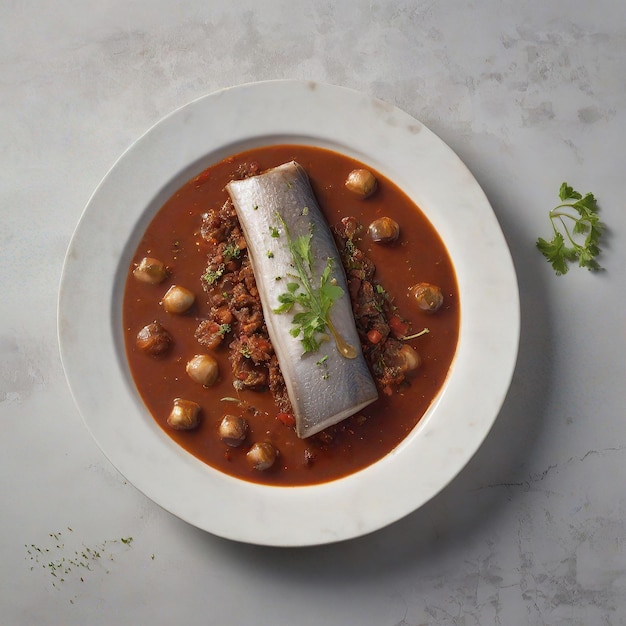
182, 145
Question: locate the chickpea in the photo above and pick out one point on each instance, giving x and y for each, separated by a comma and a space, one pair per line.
151, 271
203, 369
262, 456
409, 358
185, 415
428, 297
233, 430
154, 340
384, 230
361, 182
178, 299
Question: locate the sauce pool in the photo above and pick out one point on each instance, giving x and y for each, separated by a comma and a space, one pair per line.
173, 236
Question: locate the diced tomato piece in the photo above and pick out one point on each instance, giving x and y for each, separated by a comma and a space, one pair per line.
374, 336
287, 419
398, 327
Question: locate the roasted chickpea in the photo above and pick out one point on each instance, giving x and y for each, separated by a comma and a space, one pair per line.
154, 340
177, 299
233, 430
262, 456
151, 271
203, 369
361, 182
384, 230
185, 415
428, 297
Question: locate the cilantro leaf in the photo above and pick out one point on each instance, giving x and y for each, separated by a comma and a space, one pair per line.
577, 231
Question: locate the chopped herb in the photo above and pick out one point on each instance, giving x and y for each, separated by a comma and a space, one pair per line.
224, 330
231, 251
305, 210
255, 207
323, 364
564, 248
270, 254
274, 232
212, 276
62, 563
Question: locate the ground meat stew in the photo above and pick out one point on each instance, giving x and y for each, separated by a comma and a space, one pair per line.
196, 340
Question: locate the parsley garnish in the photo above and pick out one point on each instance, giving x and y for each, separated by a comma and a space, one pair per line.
231, 251
212, 276
582, 211
224, 330
315, 302
322, 363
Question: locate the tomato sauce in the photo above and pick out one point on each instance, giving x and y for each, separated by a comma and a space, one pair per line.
173, 236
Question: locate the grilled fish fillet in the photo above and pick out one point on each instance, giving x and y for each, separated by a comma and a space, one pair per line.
324, 386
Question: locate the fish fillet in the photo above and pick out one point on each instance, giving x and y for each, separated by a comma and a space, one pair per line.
324, 386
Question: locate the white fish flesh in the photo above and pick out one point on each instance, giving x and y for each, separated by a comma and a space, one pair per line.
333, 382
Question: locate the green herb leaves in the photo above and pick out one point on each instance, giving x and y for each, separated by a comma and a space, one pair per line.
224, 330
577, 232
314, 301
211, 276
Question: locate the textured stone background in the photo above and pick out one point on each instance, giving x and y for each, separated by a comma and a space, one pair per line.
529, 93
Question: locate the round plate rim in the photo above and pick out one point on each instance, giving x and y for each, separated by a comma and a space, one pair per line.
170, 152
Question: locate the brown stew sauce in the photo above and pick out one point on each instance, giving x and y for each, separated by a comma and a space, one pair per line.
173, 237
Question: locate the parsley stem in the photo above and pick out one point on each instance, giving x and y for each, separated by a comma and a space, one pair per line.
560, 215
424, 331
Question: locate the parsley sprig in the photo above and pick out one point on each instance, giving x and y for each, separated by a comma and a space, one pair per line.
575, 215
314, 301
